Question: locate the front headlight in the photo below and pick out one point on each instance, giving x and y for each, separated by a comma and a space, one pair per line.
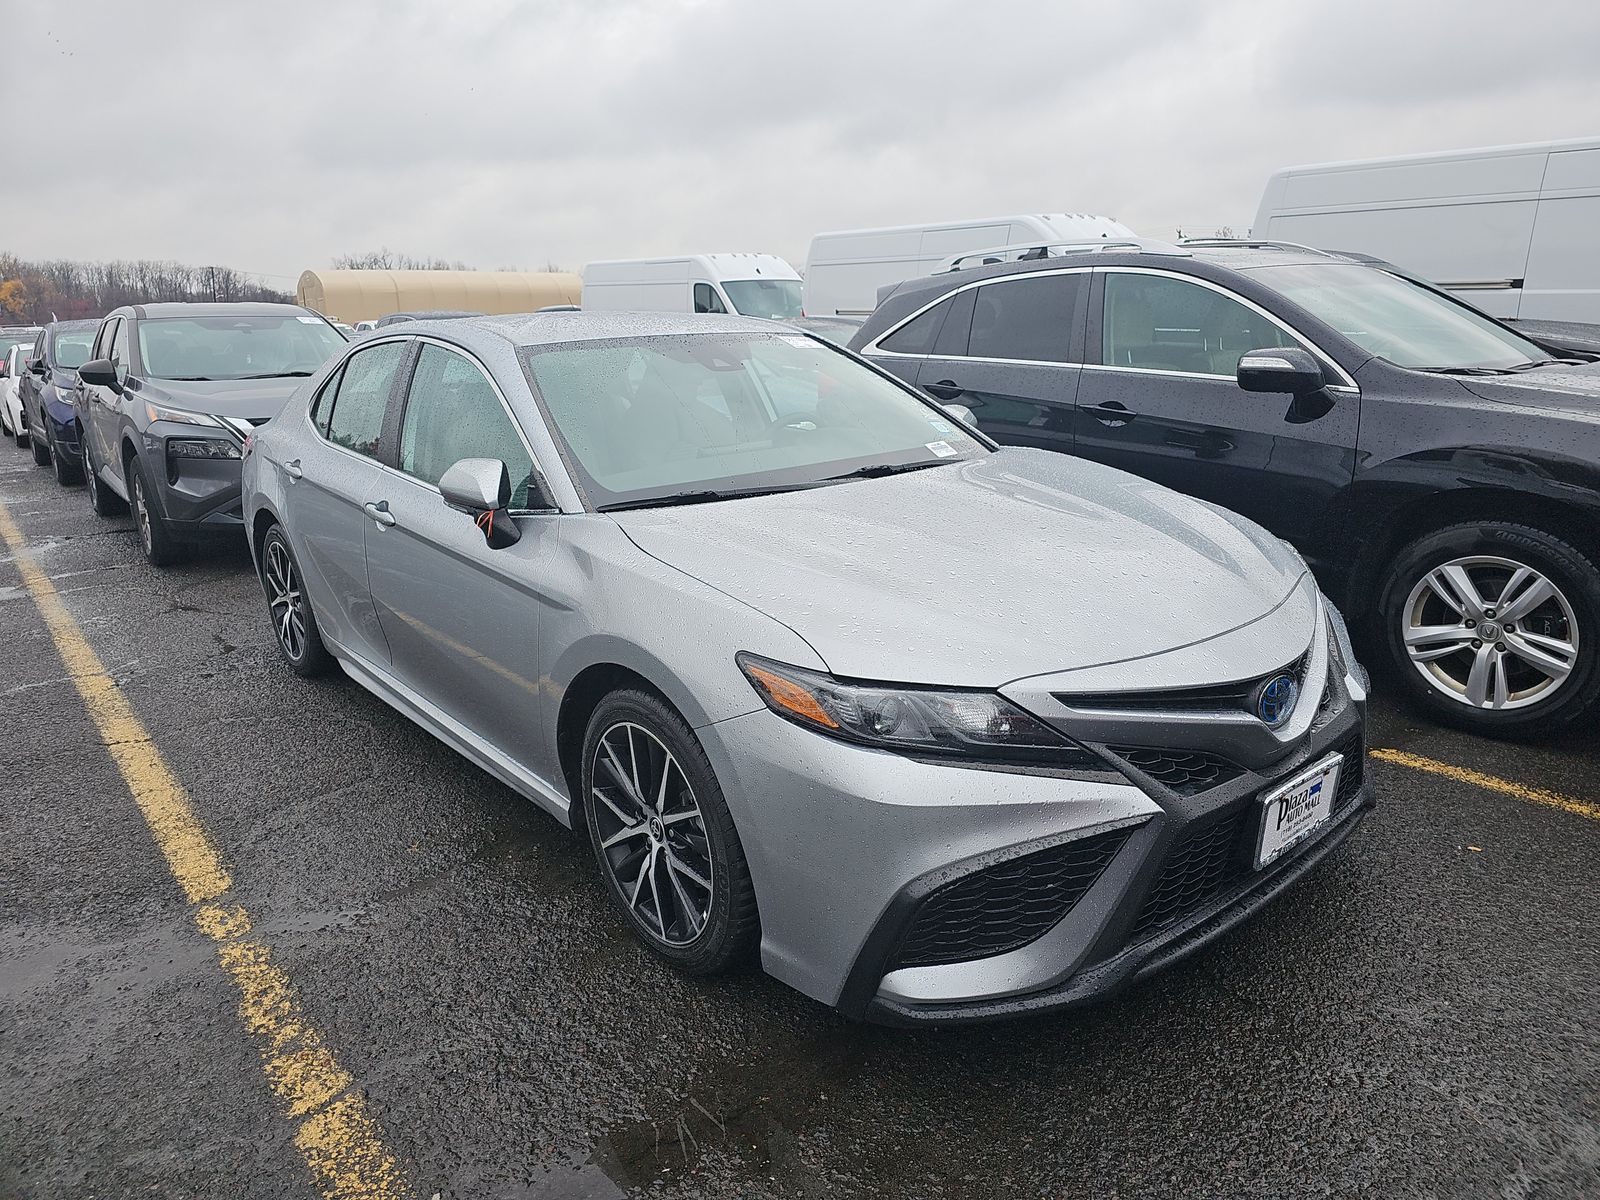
912, 720
181, 416
202, 448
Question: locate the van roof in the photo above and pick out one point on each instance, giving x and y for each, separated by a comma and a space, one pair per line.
1587, 143
722, 264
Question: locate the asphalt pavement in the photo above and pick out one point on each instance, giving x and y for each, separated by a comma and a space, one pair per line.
1418, 1018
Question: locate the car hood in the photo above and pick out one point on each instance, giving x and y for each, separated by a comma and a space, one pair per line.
982, 572
1567, 387
251, 399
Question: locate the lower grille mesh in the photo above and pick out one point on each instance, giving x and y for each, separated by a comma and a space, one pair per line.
1184, 771
1008, 905
1211, 860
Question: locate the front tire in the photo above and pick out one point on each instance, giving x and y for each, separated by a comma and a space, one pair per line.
102, 499
294, 625
1495, 628
41, 451
155, 535
67, 475
663, 836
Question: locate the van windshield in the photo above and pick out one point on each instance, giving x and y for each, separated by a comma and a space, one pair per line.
775, 299
1400, 320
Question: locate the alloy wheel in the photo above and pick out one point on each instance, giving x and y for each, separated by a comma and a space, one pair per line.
1490, 632
652, 834
285, 600
141, 512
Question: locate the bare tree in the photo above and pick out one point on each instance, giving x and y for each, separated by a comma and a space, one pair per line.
385, 259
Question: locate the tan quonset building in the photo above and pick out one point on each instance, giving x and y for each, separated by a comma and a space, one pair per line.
367, 295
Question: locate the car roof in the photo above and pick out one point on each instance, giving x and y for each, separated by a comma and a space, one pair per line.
83, 323
550, 328
242, 309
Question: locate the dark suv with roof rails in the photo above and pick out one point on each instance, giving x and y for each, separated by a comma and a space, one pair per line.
166, 399
1439, 470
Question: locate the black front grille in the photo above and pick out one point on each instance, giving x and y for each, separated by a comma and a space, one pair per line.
1007, 905
1224, 697
1352, 771
1184, 771
1203, 865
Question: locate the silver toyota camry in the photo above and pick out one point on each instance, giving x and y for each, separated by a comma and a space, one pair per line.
940, 731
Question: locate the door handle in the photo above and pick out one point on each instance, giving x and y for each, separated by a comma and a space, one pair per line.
380, 513
1110, 413
945, 389
292, 469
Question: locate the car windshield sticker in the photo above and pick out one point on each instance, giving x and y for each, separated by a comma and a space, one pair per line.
942, 449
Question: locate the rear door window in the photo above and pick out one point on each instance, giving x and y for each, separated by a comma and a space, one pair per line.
1029, 319
356, 422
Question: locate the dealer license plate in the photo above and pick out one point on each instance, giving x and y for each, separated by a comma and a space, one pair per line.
1294, 811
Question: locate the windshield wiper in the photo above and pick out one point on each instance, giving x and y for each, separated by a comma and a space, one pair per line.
188, 378
703, 496
1467, 370
1549, 362
878, 470
277, 375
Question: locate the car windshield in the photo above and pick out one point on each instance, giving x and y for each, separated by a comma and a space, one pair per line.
72, 349
669, 418
235, 347
1400, 320
775, 299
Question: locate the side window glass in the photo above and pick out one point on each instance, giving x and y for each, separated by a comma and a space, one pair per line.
356, 422
102, 340
119, 349
953, 338
1028, 318
452, 413
916, 336
706, 299
1166, 324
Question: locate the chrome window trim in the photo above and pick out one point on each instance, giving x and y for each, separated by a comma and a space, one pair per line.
1349, 384
875, 346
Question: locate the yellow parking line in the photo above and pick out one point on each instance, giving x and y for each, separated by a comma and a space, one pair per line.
340, 1141
1507, 787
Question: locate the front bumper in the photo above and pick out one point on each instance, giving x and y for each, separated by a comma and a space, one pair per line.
61, 430
200, 498
852, 849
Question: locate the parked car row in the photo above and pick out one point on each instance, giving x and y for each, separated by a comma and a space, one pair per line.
977, 669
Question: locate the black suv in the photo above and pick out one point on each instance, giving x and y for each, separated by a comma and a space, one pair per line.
1438, 470
166, 400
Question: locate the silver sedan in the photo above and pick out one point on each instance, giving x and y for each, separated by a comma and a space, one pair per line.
940, 731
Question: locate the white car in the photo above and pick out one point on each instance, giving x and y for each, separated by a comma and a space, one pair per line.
14, 364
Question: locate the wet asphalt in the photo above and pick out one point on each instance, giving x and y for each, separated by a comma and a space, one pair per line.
1418, 1018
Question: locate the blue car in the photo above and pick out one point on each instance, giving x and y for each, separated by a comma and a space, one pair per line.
46, 392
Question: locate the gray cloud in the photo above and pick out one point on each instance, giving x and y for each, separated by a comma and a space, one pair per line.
272, 137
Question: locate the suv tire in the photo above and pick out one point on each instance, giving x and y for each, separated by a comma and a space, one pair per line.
40, 448
66, 474
102, 499
1445, 607
682, 836
155, 535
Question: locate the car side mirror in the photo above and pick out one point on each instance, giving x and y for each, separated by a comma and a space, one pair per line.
482, 488
961, 413
1289, 369
37, 367
100, 372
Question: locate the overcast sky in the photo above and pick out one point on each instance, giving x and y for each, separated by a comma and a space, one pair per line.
273, 136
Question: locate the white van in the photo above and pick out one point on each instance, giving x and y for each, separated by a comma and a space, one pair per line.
844, 270
1514, 230
754, 285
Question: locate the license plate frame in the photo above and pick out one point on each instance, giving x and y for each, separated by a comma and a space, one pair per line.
1312, 793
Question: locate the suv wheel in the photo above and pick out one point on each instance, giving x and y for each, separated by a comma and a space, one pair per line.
1496, 628
21, 431
41, 449
664, 838
102, 499
155, 535
293, 622
66, 473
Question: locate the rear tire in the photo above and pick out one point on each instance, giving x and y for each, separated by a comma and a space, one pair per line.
155, 534
294, 625
102, 499
668, 850
67, 475
1470, 645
